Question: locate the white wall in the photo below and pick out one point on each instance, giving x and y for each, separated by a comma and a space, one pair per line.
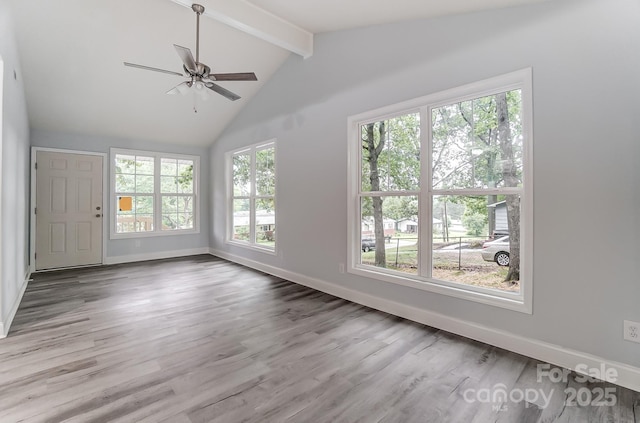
139, 248
14, 198
585, 57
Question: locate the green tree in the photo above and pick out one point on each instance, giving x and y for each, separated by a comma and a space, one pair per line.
375, 135
241, 175
474, 213
391, 162
398, 208
477, 144
480, 116
475, 223
265, 172
511, 179
182, 204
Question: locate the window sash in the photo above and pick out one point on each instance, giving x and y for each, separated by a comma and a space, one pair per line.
251, 196
519, 80
157, 193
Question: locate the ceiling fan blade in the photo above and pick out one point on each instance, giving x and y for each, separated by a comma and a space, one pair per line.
222, 91
133, 65
240, 76
183, 88
187, 57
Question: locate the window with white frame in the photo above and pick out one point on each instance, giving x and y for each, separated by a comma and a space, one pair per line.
252, 196
441, 195
153, 193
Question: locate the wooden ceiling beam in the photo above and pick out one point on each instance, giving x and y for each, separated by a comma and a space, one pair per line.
256, 21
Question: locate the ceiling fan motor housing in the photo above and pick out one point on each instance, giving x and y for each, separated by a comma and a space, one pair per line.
198, 8
202, 71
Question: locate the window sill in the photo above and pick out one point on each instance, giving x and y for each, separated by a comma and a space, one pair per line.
511, 301
132, 235
254, 247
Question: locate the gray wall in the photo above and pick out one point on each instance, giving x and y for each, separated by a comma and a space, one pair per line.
149, 245
585, 57
14, 233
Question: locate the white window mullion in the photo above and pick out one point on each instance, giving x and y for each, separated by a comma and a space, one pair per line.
228, 171
252, 205
391, 193
479, 191
157, 196
425, 250
252, 220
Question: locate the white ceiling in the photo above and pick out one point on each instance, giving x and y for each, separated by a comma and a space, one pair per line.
71, 54
331, 15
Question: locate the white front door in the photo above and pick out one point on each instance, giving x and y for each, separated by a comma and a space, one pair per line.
68, 210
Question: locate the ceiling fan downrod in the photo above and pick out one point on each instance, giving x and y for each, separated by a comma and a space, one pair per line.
199, 9
199, 75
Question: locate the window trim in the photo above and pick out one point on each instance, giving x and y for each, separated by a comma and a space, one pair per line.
521, 301
251, 149
157, 195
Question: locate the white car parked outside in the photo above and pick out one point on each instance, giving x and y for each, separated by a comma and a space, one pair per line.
497, 250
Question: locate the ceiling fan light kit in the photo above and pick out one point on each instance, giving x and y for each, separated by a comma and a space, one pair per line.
200, 79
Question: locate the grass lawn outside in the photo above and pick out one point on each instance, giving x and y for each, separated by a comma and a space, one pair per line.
464, 266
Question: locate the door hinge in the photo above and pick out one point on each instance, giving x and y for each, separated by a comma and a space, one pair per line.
36, 165
35, 210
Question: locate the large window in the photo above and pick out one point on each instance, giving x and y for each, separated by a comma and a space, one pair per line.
253, 191
440, 192
153, 193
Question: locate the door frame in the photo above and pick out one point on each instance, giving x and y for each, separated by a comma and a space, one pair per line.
33, 205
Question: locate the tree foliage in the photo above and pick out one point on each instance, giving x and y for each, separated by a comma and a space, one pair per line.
475, 223
135, 176
476, 145
391, 163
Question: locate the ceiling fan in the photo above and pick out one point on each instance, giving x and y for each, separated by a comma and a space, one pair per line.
199, 75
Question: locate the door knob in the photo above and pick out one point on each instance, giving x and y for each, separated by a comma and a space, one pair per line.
98, 208
98, 215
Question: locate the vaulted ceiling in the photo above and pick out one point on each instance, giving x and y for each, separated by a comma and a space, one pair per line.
72, 54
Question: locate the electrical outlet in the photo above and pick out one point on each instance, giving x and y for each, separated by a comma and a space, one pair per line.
632, 331
341, 267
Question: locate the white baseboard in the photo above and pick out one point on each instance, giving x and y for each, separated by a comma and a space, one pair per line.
5, 325
130, 258
628, 376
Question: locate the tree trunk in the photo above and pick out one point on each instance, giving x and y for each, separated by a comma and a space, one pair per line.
509, 172
492, 156
381, 256
445, 221
374, 177
491, 211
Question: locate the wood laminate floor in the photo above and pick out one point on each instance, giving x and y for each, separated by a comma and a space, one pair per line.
200, 339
